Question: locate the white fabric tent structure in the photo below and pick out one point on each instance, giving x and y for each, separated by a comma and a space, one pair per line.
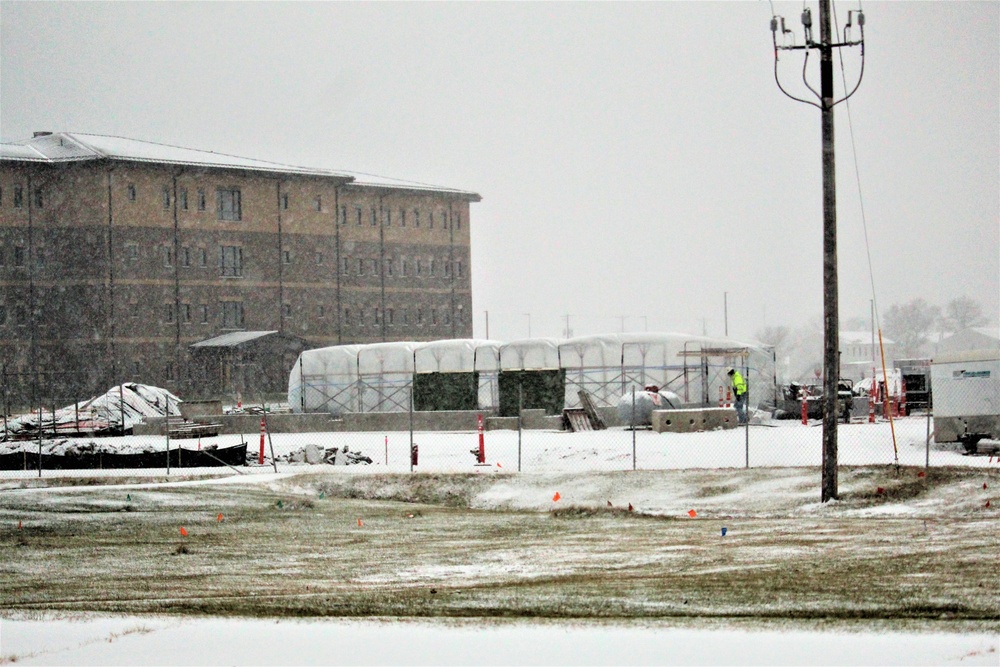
379, 377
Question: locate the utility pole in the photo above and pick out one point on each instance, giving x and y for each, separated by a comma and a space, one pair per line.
725, 312
831, 324
487, 325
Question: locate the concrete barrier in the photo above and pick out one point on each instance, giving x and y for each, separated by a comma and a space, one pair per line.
716, 418
677, 421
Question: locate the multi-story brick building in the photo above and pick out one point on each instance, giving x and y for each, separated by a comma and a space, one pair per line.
117, 256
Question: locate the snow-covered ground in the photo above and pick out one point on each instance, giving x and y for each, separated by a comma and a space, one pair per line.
111, 640
776, 444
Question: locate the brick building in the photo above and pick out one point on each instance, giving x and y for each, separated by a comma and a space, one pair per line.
117, 255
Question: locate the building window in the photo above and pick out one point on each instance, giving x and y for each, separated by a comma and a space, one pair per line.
406, 316
432, 269
168, 255
458, 221
361, 267
169, 313
201, 199
18, 196
319, 203
284, 202
357, 209
458, 315
3, 256
420, 316
18, 256
134, 309
3, 314
166, 197
402, 217
388, 217
403, 268
388, 266
447, 317
444, 224
230, 207
320, 311
319, 258
388, 315
430, 220
286, 256
374, 217
458, 266
378, 317
232, 314
231, 261
419, 267
447, 269
203, 257
344, 261
131, 192
286, 310
185, 256
434, 316
347, 316
416, 217
375, 270
131, 252
204, 314
183, 195
39, 201
343, 215
186, 313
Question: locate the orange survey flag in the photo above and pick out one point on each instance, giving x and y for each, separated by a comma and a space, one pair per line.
184, 532
692, 513
556, 497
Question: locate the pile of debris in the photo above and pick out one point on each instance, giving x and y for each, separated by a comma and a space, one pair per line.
316, 455
115, 412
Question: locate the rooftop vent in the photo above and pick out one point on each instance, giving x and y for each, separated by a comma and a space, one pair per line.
41, 134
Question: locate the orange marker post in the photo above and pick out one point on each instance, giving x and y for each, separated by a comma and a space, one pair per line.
263, 428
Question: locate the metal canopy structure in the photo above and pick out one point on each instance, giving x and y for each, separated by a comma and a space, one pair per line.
379, 377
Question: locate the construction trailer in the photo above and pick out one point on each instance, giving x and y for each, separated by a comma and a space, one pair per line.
967, 397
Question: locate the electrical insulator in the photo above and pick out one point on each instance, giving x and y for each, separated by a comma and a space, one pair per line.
774, 24
807, 19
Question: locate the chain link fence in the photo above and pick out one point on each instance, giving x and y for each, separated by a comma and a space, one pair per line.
125, 431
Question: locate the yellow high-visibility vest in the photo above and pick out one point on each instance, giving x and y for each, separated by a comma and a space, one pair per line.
739, 384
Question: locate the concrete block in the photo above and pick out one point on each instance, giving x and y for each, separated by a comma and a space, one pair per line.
677, 421
716, 418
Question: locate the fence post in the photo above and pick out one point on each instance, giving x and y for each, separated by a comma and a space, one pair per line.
40, 402
520, 408
633, 428
166, 429
927, 444
411, 432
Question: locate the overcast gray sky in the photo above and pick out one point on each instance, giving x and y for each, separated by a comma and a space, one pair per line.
637, 162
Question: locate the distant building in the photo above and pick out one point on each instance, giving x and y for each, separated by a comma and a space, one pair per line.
859, 354
117, 256
977, 338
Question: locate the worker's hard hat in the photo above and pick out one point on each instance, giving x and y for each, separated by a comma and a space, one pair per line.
731, 371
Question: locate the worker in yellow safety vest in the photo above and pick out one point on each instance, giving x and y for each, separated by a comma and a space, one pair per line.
740, 392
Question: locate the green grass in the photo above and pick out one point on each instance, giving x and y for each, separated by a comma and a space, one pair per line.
421, 551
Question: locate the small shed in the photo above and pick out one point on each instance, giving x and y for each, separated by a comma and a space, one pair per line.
248, 363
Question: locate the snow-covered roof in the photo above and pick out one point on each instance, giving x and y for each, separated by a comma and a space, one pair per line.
862, 338
232, 338
61, 147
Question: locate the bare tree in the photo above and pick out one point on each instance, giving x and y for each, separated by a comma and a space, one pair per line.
962, 313
910, 324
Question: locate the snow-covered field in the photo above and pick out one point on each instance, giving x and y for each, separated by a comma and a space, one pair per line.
775, 444
574, 465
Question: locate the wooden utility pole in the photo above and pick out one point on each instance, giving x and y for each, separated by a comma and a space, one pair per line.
831, 323
826, 102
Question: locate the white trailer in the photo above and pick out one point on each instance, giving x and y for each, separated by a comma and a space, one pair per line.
966, 397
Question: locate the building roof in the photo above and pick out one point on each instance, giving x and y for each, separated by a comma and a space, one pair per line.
233, 338
63, 147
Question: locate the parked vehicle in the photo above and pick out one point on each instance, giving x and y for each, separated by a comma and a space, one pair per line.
967, 397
